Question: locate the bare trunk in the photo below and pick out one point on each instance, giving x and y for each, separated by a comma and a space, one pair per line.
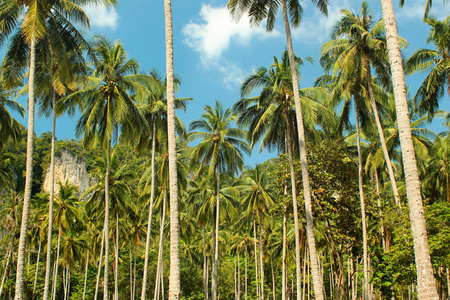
99, 265
205, 267
7, 258
317, 280
239, 279
382, 139
216, 241
159, 277
256, 260
116, 261
380, 213
55, 280
261, 261
28, 176
134, 272
174, 279
37, 267
106, 222
150, 214
363, 206
274, 296
426, 286
246, 274
85, 275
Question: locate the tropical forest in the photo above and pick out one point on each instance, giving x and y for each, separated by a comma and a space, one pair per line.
353, 204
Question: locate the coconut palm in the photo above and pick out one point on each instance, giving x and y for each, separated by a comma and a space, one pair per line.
271, 118
108, 106
436, 63
267, 10
40, 18
220, 149
425, 278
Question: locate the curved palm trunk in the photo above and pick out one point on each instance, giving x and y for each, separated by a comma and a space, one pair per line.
150, 215
159, 273
426, 287
362, 203
261, 257
174, 278
116, 260
283, 263
106, 222
382, 139
317, 279
216, 241
28, 177
48, 265
205, 267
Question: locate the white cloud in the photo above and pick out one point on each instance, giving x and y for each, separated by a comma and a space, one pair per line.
414, 9
101, 16
215, 31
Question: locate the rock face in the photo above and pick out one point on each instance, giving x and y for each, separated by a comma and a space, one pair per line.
68, 167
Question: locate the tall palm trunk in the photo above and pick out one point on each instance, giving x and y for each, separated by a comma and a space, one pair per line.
216, 241
256, 259
381, 134
48, 265
150, 214
106, 222
159, 278
317, 279
37, 266
99, 265
28, 176
426, 287
261, 257
174, 279
246, 289
85, 275
205, 267
116, 260
295, 207
55, 278
362, 203
380, 213
274, 297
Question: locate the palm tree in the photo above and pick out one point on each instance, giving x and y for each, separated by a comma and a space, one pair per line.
425, 279
267, 9
9, 127
258, 201
219, 150
271, 118
108, 107
359, 45
41, 18
174, 279
436, 63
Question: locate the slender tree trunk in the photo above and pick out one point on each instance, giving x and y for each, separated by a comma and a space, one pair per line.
239, 278
116, 261
256, 259
150, 214
48, 265
160, 251
99, 265
380, 213
131, 274
246, 289
7, 259
37, 267
55, 280
85, 275
317, 280
448, 283
426, 286
274, 294
381, 134
174, 279
283, 263
28, 176
205, 267
134, 271
235, 279
295, 209
261, 261
216, 248
363, 206
106, 222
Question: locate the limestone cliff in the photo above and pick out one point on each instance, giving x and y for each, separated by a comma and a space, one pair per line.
68, 167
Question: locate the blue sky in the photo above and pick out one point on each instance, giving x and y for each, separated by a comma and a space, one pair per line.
213, 53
